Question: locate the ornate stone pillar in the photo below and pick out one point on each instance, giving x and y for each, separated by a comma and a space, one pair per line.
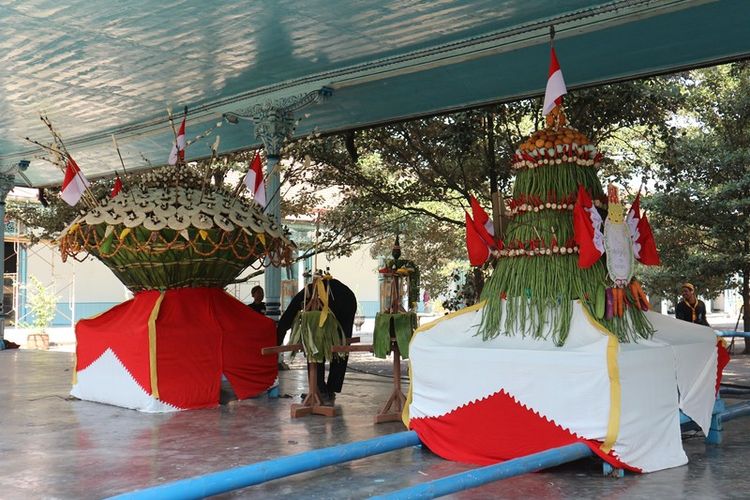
274, 124
6, 184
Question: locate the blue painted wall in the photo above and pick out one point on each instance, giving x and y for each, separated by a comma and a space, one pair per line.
82, 310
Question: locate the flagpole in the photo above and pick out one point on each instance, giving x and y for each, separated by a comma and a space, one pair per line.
58, 139
124, 171
171, 124
209, 168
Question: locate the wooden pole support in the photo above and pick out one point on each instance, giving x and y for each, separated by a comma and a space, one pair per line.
394, 406
281, 348
352, 348
312, 404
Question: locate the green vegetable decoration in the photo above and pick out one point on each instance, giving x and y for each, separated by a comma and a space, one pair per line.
395, 321
316, 327
174, 230
403, 325
539, 272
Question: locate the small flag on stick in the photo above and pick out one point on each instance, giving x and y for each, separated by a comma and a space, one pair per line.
178, 149
74, 183
555, 85
644, 246
254, 181
117, 187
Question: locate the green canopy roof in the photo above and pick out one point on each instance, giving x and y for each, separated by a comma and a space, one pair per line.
113, 67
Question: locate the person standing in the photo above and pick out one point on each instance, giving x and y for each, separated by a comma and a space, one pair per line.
258, 295
690, 308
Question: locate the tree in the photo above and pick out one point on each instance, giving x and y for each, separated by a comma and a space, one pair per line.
703, 203
417, 175
42, 303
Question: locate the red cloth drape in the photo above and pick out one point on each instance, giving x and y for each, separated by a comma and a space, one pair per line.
200, 334
495, 429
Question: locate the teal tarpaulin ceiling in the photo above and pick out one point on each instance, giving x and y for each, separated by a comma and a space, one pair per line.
113, 67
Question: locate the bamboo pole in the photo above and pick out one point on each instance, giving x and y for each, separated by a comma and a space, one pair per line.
124, 171
88, 196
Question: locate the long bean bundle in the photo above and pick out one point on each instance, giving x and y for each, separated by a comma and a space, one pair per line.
537, 277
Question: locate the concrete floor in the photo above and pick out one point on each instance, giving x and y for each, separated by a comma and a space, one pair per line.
55, 447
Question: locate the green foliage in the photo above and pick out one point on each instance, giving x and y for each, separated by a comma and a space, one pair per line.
701, 212
465, 286
404, 325
42, 304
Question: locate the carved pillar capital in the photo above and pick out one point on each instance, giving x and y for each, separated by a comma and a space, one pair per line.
274, 120
7, 181
273, 127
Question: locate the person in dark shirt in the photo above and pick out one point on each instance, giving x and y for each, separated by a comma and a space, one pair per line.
343, 304
258, 295
690, 308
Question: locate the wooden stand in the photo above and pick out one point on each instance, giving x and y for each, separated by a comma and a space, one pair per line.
394, 406
389, 412
312, 404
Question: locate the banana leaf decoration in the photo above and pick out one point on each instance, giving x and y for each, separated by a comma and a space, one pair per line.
404, 325
318, 332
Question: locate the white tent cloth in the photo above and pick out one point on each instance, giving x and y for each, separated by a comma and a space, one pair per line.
107, 381
577, 386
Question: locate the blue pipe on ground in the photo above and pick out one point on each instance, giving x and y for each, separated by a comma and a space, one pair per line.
249, 475
729, 413
735, 411
734, 391
483, 475
529, 463
260, 472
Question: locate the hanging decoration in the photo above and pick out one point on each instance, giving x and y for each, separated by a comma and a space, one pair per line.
316, 327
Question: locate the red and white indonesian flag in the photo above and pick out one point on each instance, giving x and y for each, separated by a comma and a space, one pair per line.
254, 181
480, 234
178, 149
555, 85
74, 183
587, 230
644, 246
482, 219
